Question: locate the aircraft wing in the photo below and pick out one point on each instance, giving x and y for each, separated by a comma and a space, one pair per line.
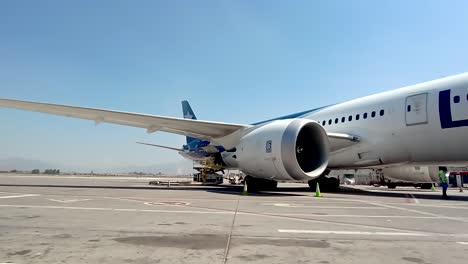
152, 123
207, 130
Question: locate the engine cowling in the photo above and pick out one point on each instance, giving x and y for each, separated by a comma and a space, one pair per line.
291, 149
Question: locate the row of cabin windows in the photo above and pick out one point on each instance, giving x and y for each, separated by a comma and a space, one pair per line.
456, 98
350, 118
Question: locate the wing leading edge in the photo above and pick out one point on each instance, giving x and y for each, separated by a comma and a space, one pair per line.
152, 123
207, 130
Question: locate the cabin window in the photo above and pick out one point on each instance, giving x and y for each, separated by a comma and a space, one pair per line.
357, 117
408, 108
336, 120
382, 112
329, 122
364, 115
373, 114
323, 123
456, 99
343, 119
350, 118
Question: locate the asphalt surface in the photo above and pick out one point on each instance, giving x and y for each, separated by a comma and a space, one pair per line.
59, 219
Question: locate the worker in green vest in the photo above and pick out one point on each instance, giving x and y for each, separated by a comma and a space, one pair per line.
443, 181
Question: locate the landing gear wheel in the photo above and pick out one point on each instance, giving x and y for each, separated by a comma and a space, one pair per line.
251, 184
391, 185
312, 184
426, 186
256, 184
326, 184
333, 184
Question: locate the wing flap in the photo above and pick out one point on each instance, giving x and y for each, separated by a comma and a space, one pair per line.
160, 146
152, 123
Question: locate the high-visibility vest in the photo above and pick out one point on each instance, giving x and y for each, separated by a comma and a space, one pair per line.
442, 177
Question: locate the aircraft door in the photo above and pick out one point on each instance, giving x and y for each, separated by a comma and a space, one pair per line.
416, 109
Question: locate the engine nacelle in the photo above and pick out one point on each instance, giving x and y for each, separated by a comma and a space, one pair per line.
412, 173
291, 149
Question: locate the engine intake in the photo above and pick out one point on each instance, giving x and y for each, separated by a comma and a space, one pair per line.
291, 149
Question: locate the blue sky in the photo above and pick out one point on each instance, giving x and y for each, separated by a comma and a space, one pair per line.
235, 61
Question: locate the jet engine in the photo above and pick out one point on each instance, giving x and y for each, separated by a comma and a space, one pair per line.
291, 149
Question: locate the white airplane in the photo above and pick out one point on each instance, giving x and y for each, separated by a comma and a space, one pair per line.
407, 133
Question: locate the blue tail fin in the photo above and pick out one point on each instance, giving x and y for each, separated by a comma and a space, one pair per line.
188, 114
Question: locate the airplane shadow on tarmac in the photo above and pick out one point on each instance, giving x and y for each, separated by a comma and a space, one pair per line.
279, 192
221, 189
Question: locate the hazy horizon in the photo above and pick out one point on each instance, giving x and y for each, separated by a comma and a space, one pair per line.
21, 164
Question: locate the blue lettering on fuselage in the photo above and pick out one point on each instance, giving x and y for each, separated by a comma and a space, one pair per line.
445, 112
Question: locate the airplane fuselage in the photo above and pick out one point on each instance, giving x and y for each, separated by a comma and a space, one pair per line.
424, 124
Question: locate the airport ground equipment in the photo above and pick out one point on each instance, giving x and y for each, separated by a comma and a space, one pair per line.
207, 172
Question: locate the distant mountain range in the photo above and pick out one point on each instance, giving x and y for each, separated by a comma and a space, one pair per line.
22, 164
25, 164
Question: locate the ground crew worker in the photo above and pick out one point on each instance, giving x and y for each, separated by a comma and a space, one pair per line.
443, 181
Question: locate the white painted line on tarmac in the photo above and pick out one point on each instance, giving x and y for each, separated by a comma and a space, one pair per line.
69, 201
326, 207
113, 209
330, 232
364, 216
18, 196
417, 211
443, 206
462, 243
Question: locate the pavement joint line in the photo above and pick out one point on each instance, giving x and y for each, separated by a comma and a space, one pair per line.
228, 244
338, 232
414, 198
18, 196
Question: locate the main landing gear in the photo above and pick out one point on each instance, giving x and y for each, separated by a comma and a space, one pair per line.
326, 184
257, 184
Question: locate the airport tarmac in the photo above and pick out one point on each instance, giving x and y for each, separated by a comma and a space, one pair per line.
66, 219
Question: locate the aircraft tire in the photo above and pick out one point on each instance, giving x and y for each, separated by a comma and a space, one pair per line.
326, 184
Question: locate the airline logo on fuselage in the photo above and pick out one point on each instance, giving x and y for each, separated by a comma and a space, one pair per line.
453, 110
268, 146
